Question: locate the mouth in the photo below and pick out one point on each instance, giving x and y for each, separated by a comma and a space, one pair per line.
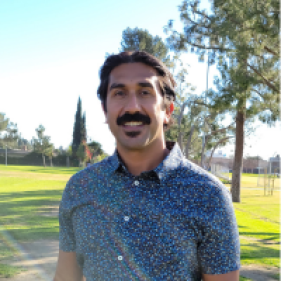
133, 126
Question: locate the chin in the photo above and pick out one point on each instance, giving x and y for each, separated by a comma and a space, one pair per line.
134, 145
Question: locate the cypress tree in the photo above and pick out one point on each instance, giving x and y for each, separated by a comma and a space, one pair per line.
77, 128
83, 129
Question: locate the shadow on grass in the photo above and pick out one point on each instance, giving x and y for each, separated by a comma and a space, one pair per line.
270, 235
21, 214
256, 253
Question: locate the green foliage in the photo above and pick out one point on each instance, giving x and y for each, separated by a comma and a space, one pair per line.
195, 119
84, 131
3, 122
42, 144
95, 148
11, 136
69, 151
134, 39
81, 153
78, 128
242, 37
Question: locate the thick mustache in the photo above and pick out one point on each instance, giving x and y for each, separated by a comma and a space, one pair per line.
137, 117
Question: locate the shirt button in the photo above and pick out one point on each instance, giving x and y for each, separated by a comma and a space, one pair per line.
120, 258
136, 183
126, 218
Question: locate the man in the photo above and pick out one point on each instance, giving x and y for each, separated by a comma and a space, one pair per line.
145, 213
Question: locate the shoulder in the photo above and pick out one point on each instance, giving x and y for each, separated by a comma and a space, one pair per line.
89, 173
205, 185
82, 185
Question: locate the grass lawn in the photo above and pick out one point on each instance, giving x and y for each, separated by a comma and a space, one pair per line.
27, 192
251, 180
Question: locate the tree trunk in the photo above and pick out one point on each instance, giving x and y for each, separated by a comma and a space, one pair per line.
180, 140
43, 157
188, 142
51, 162
67, 161
238, 157
203, 151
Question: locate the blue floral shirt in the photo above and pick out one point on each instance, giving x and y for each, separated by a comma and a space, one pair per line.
171, 223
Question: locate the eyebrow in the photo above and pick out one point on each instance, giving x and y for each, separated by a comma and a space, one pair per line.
116, 85
145, 84
141, 84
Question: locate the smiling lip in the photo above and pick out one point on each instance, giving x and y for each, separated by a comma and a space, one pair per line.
132, 126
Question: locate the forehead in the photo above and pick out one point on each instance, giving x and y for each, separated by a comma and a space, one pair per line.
131, 73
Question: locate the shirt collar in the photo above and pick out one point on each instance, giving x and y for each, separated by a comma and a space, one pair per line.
163, 170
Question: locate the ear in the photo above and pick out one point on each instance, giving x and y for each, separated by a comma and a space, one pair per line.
169, 112
171, 108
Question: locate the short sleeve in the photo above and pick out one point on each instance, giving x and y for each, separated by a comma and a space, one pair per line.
66, 233
219, 249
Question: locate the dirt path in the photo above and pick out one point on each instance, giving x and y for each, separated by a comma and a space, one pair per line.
259, 273
40, 257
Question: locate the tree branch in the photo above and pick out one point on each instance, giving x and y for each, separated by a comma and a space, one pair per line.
270, 51
263, 78
215, 147
220, 130
209, 48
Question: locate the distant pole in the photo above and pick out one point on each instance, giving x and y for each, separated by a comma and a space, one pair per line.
6, 155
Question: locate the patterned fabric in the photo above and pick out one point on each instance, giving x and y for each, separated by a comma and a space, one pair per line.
171, 223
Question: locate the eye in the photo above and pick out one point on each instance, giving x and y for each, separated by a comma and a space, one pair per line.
145, 92
119, 93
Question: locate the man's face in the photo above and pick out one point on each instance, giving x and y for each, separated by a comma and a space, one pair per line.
135, 111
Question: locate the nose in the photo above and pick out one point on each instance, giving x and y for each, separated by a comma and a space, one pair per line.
132, 104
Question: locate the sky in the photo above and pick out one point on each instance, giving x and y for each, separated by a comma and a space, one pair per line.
51, 52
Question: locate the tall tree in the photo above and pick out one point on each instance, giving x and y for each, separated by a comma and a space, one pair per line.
242, 38
199, 127
78, 128
134, 39
84, 130
42, 144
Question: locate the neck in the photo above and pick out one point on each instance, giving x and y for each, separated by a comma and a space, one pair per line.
138, 161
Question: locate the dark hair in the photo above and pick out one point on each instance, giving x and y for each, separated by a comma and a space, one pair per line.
166, 80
